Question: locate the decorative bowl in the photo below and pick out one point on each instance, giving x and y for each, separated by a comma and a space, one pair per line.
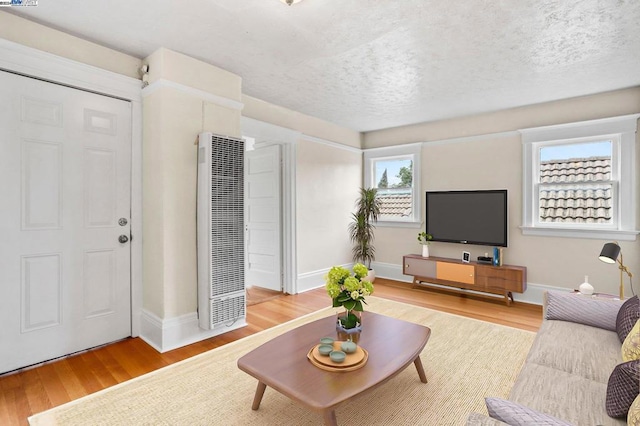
326, 341
348, 347
325, 350
337, 356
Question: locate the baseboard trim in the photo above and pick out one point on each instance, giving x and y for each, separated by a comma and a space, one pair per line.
172, 333
533, 294
315, 279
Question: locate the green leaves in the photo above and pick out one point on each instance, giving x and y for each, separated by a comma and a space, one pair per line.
345, 300
424, 238
348, 290
362, 227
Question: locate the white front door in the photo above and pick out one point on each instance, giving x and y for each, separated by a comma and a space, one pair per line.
65, 168
262, 218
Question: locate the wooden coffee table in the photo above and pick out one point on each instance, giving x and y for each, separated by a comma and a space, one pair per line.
282, 363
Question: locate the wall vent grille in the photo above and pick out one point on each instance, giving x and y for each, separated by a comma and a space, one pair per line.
227, 310
220, 229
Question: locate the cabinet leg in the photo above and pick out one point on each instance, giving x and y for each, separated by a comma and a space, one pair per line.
508, 298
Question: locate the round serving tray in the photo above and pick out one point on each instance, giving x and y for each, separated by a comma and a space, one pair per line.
352, 362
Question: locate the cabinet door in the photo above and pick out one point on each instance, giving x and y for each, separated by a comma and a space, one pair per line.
455, 272
500, 278
424, 268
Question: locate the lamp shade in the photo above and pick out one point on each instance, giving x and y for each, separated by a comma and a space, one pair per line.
609, 253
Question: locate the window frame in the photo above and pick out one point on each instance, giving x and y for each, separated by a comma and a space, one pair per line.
621, 131
412, 152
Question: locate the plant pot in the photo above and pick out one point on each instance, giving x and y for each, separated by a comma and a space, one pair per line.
371, 276
425, 250
349, 325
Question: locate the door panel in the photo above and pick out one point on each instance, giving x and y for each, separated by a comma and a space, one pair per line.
262, 215
65, 160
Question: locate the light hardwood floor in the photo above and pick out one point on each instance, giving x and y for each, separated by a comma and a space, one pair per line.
38, 389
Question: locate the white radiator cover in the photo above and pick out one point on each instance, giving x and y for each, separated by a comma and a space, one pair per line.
220, 233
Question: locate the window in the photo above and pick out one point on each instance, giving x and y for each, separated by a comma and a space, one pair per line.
579, 181
395, 172
576, 184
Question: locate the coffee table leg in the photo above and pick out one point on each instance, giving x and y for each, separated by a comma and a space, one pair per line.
330, 418
418, 363
258, 397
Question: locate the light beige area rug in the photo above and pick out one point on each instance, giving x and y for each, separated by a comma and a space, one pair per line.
465, 360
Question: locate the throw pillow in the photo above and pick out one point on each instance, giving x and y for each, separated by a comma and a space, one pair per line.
627, 316
572, 307
633, 418
518, 415
623, 388
631, 345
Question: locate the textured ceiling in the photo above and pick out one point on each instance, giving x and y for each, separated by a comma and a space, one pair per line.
372, 64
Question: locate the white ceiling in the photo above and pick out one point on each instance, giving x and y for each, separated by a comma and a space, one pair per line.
372, 64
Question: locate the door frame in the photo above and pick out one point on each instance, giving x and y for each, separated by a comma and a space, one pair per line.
31, 62
266, 134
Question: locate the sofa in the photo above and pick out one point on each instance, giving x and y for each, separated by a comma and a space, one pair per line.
567, 373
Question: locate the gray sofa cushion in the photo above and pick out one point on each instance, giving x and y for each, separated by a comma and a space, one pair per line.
518, 415
565, 306
563, 395
586, 351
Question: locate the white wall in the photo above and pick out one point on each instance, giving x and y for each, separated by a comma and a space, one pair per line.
328, 177
495, 162
174, 114
310, 126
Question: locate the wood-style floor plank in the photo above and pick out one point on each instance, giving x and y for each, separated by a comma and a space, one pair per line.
30, 391
34, 391
53, 385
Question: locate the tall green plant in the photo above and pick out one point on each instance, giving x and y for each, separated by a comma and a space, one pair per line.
361, 229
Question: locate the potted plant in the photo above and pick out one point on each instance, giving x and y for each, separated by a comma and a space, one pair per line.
425, 240
361, 229
348, 291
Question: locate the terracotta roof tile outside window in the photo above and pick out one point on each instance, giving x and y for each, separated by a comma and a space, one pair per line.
576, 190
395, 203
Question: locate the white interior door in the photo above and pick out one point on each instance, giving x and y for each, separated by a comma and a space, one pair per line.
65, 167
262, 218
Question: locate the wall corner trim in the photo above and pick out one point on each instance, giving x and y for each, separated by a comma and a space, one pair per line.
205, 96
172, 333
331, 143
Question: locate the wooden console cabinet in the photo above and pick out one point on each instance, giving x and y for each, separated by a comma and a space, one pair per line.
502, 280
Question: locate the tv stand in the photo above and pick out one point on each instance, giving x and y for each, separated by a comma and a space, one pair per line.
500, 280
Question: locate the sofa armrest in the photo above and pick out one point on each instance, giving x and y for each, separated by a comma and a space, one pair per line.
573, 307
475, 419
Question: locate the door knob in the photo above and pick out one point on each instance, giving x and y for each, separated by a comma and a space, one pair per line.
123, 238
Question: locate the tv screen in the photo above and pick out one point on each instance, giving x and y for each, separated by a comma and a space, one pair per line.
468, 217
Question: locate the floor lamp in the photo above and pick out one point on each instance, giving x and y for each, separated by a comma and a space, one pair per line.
610, 254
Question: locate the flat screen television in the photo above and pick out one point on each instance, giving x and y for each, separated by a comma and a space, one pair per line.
468, 217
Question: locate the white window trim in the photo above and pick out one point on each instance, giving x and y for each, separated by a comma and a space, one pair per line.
625, 127
414, 150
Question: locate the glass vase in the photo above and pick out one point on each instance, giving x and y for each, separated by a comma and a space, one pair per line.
349, 325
